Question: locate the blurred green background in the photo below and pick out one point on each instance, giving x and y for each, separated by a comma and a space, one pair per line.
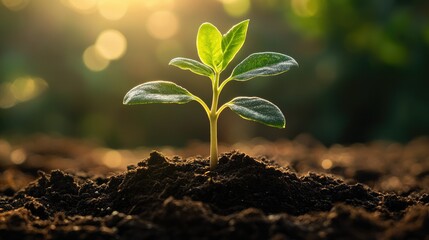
65, 66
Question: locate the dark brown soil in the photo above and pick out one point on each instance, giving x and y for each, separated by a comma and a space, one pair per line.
306, 194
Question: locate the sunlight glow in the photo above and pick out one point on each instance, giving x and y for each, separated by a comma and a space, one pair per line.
162, 25
236, 8
15, 5
167, 50
112, 9
7, 100
157, 4
112, 159
305, 8
111, 44
20, 90
82, 6
326, 164
27, 88
93, 60
18, 156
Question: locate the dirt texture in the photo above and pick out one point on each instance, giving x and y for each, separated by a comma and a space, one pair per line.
362, 191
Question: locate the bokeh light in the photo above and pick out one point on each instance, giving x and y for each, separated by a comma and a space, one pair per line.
305, 8
113, 9
112, 159
20, 90
326, 164
157, 4
162, 24
18, 156
15, 5
346, 59
27, 88
111, 44
392, 53
82, 6
93, 60
7, 100
236, 8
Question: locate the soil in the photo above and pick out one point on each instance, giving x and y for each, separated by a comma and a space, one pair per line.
58, 189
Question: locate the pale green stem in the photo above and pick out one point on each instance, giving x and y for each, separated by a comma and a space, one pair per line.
213, 116
222, 108
224, 83
213, 143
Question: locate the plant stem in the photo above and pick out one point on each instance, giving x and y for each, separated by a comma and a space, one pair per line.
213, 142
213, 116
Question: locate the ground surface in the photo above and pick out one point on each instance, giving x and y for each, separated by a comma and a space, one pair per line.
287, 190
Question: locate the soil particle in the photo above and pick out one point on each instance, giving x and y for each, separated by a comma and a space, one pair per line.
244, 198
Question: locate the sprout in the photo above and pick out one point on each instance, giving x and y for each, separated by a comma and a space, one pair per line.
216, 51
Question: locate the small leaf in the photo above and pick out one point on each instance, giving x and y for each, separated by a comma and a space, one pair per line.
258, 110
262, 64
232, 42
158, 92
192, 65
209, 45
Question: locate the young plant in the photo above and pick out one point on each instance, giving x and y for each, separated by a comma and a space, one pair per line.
215, 52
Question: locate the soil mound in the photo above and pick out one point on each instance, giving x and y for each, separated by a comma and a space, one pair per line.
244, 198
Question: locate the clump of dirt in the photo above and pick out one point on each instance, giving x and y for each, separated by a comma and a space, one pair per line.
244, 198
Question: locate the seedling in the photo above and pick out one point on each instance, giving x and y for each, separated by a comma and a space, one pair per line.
215, 52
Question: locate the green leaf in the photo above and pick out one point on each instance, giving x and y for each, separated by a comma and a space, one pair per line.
209, 45
232, 42
192, 65
262, 64
258, 110
158, 92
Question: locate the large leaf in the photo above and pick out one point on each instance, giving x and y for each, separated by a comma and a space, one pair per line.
209, 45
192, 65
158, 92
259, 110
262, 64
232, 42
